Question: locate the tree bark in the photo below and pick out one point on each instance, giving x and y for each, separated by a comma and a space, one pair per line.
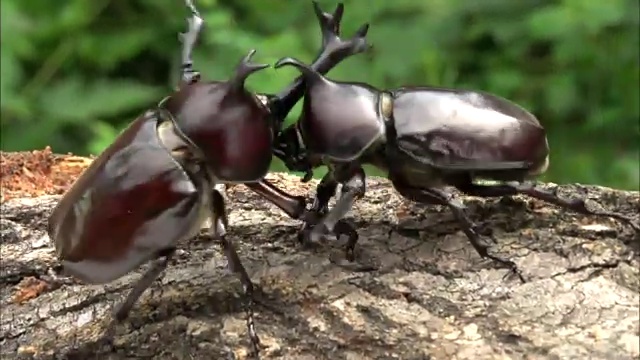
418, 290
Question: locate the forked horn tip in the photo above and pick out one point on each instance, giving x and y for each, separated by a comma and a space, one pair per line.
285, 61
246, 68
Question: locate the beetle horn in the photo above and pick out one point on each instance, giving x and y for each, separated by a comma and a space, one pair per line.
310, 74
244, 69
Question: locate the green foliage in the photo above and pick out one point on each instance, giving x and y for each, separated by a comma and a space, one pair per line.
74, 73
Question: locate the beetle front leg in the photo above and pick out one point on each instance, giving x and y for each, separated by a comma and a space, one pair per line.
577, 205
122, 311
325, 190
289, 148
294, 206
333, 221
219, 224
187, 74
440, 197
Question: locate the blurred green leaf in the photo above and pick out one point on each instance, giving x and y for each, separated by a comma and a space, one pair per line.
72, 100
73, 73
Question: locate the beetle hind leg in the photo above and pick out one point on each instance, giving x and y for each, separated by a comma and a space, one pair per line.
218, 229
577, 205
440, 197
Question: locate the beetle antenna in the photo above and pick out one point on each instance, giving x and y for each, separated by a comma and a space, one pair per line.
310, 74
244, 69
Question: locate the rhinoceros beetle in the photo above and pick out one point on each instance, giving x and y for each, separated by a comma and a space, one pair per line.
424, 139
161, 178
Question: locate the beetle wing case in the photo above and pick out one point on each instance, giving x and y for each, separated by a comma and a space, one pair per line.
468, 131
132, 202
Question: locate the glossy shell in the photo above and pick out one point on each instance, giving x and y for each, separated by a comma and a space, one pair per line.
231, 127
341, 120
465, 130
132, 202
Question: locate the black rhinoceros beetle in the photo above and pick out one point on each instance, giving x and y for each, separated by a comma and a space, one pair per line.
160, 179
424, 138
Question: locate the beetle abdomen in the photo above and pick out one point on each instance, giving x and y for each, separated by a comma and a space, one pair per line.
467, 130
132, 202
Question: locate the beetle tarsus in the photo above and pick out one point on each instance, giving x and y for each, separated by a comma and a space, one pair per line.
121, 312
189, 39
218, 231
577, 205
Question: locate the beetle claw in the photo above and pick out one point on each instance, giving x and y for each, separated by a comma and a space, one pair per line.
313, 231
514, 270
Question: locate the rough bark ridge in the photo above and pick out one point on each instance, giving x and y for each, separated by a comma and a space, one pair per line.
430, 297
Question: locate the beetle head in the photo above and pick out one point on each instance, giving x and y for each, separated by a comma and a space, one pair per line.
211, 98
224, 120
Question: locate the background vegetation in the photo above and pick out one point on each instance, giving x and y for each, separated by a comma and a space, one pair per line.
75, 72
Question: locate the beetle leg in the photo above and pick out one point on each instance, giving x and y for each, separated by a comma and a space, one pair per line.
294, 206
187, 74
218, 230
333, 221
289, 148
122, 311
577, 205
440, 197
325, 190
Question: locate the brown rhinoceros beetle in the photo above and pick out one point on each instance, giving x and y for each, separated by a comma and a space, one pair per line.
424, 138
158, 182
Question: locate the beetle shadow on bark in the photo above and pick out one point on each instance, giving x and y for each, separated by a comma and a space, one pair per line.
172, 308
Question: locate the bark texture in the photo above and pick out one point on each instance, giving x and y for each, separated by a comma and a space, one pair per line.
429, 297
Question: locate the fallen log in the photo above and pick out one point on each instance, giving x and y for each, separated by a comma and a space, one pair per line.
419, 290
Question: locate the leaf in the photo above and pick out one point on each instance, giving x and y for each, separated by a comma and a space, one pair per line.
107, 50
11, 76
104, 136
72, 101
15, 29
550, 22
599, 13
561, 93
